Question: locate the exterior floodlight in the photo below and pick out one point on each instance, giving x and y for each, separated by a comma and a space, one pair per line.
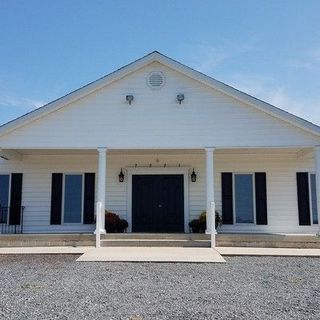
180, 97
129, 98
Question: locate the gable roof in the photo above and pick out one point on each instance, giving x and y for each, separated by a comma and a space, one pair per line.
156, 56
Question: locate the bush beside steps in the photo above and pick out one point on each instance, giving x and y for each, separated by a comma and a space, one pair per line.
114, 224
199, 225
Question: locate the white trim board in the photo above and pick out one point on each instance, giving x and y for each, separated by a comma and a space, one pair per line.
177, 66
180, 170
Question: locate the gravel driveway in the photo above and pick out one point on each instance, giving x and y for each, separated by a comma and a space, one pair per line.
57, 287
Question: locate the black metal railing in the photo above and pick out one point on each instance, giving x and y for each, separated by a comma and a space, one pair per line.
11, 220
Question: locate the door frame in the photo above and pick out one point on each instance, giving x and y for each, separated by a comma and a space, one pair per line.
160, 171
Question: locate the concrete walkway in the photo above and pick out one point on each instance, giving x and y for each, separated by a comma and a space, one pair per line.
281, 252
167, 254
153, 254
45, 250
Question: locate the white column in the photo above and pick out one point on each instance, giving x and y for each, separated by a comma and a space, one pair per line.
102, 169
98, 217
210, 184
317, 171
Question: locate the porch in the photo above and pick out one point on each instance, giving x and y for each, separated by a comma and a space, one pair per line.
279, 166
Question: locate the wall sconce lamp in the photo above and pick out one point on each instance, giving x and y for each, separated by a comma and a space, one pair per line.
180, 97
121, 176
129, 98
193, 176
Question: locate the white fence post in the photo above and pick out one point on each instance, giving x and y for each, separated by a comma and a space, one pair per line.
213, 224
98, 222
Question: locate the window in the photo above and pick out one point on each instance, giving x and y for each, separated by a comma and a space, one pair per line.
4, 190
4, 197
73, 196
244, 203
313, 199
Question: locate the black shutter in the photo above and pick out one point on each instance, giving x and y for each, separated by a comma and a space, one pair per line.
56, 198
88, 210
15, 199
227, 204
261, 198
303, 198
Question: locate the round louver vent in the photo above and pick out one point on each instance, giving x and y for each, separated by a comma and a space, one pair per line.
155, 80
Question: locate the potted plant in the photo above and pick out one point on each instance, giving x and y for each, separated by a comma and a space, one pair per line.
218, 219
114, 224
203, 221
194, 225
199, 225
122, 225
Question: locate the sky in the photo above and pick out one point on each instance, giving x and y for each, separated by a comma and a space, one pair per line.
269, 49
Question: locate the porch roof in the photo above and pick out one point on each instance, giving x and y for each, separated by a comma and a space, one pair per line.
19, 153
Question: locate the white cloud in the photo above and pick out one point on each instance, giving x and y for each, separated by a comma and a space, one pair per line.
266, 89
315, 54
206, 57
12, 107
308, 59
25, 104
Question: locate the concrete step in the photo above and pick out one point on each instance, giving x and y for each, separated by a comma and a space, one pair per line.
162, 239
154, 240
152, 236
268, 240
154, 243
46, 240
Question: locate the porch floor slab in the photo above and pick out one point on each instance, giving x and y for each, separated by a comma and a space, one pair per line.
153, 254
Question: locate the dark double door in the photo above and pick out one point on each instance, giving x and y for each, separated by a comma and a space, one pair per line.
157, 203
